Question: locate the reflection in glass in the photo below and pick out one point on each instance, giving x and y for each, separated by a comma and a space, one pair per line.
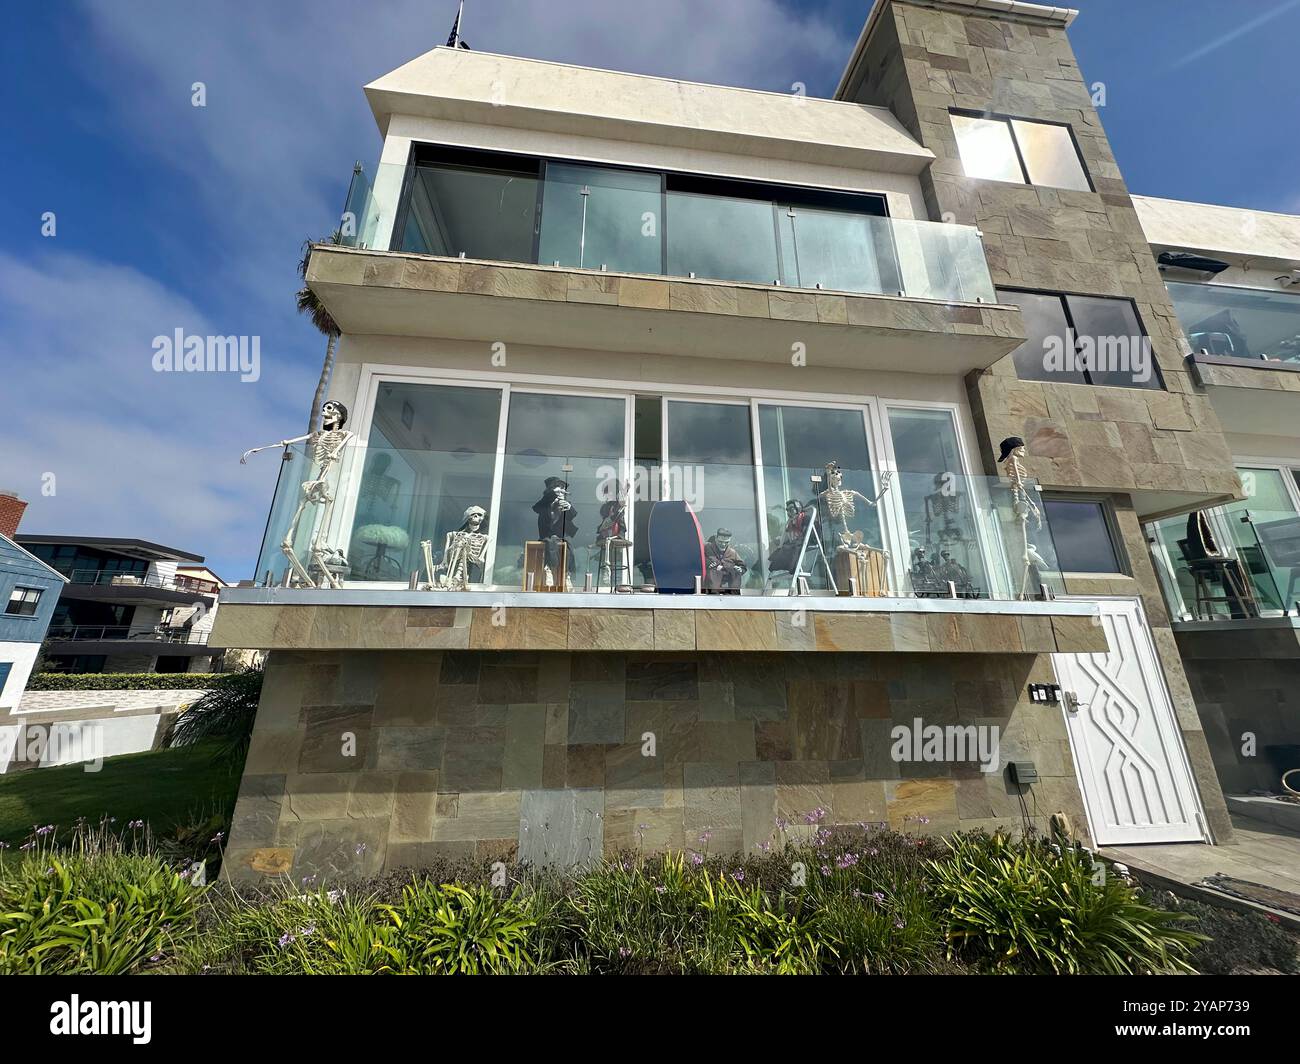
430, 455
711, 467
1050, 155
987, 149
938, 508
1082, 536
798, 442
722, 238
839, 250
571, 442
1046, 328
594, 217
1239, 322
1123, 357
483, 212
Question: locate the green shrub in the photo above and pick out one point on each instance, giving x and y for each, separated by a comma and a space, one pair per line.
91, 913
224, 713
129, 681
1033, 908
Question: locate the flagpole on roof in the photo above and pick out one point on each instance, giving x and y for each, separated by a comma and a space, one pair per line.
453, 38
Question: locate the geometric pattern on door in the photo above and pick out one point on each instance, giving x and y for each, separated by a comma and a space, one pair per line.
1133, 772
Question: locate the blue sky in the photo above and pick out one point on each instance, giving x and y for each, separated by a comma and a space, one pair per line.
173, 216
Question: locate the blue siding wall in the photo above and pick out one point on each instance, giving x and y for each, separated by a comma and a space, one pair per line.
19, 569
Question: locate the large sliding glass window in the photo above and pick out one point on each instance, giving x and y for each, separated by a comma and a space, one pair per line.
1239, 322
710, 464
798, 442
570, 442
430, 455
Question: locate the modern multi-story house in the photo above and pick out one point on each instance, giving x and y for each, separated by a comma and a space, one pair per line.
1231, 574
126, 607
603, 335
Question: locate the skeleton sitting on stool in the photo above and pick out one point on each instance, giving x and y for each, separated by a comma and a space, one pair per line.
325, 448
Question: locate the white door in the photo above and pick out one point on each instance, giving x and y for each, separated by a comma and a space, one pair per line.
1128, 752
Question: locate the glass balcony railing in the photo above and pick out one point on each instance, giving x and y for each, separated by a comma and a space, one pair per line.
530, 517
1247, 323
1253, 571
627, 222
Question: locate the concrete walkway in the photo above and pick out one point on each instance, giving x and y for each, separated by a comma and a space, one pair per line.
1259, 852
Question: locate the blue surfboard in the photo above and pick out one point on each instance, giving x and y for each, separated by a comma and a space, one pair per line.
676, 547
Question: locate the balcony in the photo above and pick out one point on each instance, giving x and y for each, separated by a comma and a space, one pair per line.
1246, 351
137, 589
602, 259
126, 639
941, 561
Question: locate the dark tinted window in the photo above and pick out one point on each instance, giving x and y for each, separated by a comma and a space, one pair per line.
1082, 535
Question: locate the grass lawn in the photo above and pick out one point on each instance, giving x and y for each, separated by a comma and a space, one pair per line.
165, 788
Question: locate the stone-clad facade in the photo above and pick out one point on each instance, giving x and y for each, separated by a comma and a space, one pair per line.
364, 760
927, 59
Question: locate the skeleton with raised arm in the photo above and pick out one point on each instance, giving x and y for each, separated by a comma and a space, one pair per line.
1023, 507
325, 448
462, 548
840, 504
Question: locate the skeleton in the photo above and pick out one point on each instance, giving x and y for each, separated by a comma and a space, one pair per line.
840, 503
462, 548
325, 448
1023, 507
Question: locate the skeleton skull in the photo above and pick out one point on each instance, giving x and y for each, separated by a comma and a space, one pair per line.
333, 415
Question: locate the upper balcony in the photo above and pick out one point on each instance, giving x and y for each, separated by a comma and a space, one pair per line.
1246, 350
465, 245
138, 589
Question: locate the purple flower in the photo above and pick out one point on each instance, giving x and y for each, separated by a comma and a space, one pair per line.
763, 847
286, 938
661, 889
826, 869
218, 836
846, 860
45, 830
308, 881
878, 897
135, 824
705, 836
815, 817
738, 875
697, 859
782, 823
898, 923
873, 851
304, 932
623, 951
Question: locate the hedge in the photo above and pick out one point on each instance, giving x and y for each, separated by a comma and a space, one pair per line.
127, 681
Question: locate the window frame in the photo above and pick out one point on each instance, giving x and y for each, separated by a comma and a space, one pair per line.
16, 596
1007, 119
1064, 297
873, 407
1107, 506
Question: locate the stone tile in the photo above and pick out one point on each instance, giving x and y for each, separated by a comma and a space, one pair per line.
632, 781
596, 713
507, 683
418, 749
858, 802
561, 828
1079, 635
795, 630
406, 688
853, 631
911, 632
521, 766
414, 799
335, 738
649, 295
472, 759
717, 741
674, 630
922, 806
877, 742
662, 680
373, 795
1036, 635
735, 630
823, 721
712, 802
585, 765
318, 796
480, 816
601, 629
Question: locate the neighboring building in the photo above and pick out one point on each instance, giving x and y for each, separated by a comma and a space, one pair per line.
1234, 276
567, 276
126, 607
29, 590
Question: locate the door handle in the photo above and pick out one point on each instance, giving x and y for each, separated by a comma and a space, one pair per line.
1072, 702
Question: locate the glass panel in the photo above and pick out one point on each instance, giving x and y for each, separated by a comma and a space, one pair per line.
1239, 322
430, 456
563, 462
648, 452
938, 507
722, 238
1050, 155
1082, 536
798, 442
485, 213
1262, 526
1042, 357
596, 216
987, 149
711, 466
1111, 343
840, 250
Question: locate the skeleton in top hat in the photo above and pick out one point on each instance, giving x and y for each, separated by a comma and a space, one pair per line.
325, 448
464, 547
556, 523
1023, 508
